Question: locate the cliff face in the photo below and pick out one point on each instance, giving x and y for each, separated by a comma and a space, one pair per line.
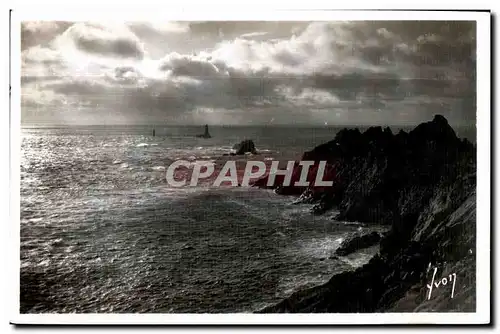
422, 184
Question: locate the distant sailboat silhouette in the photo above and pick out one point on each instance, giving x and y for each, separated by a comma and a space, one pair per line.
206, 134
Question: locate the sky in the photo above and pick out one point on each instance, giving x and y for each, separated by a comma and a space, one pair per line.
248, 73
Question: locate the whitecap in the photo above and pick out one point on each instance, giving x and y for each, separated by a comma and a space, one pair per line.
117, 162
318, 248
203, 162
280, 234
26, 264
351, 223
142, 144
124, 165
158, 168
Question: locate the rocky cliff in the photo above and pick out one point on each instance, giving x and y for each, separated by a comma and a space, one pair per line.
421, 183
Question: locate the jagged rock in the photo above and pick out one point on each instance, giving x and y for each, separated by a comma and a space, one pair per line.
206, 134
246, 146
356, 242
368, 169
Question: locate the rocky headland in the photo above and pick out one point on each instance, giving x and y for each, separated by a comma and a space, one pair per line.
422, 184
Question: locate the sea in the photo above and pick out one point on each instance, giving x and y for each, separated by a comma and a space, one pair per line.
103, 232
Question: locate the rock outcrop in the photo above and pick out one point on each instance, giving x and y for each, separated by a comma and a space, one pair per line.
356, 242
246, 146
206, 134
421, 183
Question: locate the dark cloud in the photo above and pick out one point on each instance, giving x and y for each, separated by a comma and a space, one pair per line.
396, 71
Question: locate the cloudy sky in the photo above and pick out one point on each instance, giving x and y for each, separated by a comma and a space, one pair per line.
362, 72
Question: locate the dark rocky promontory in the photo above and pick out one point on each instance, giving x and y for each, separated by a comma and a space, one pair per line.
422, 184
